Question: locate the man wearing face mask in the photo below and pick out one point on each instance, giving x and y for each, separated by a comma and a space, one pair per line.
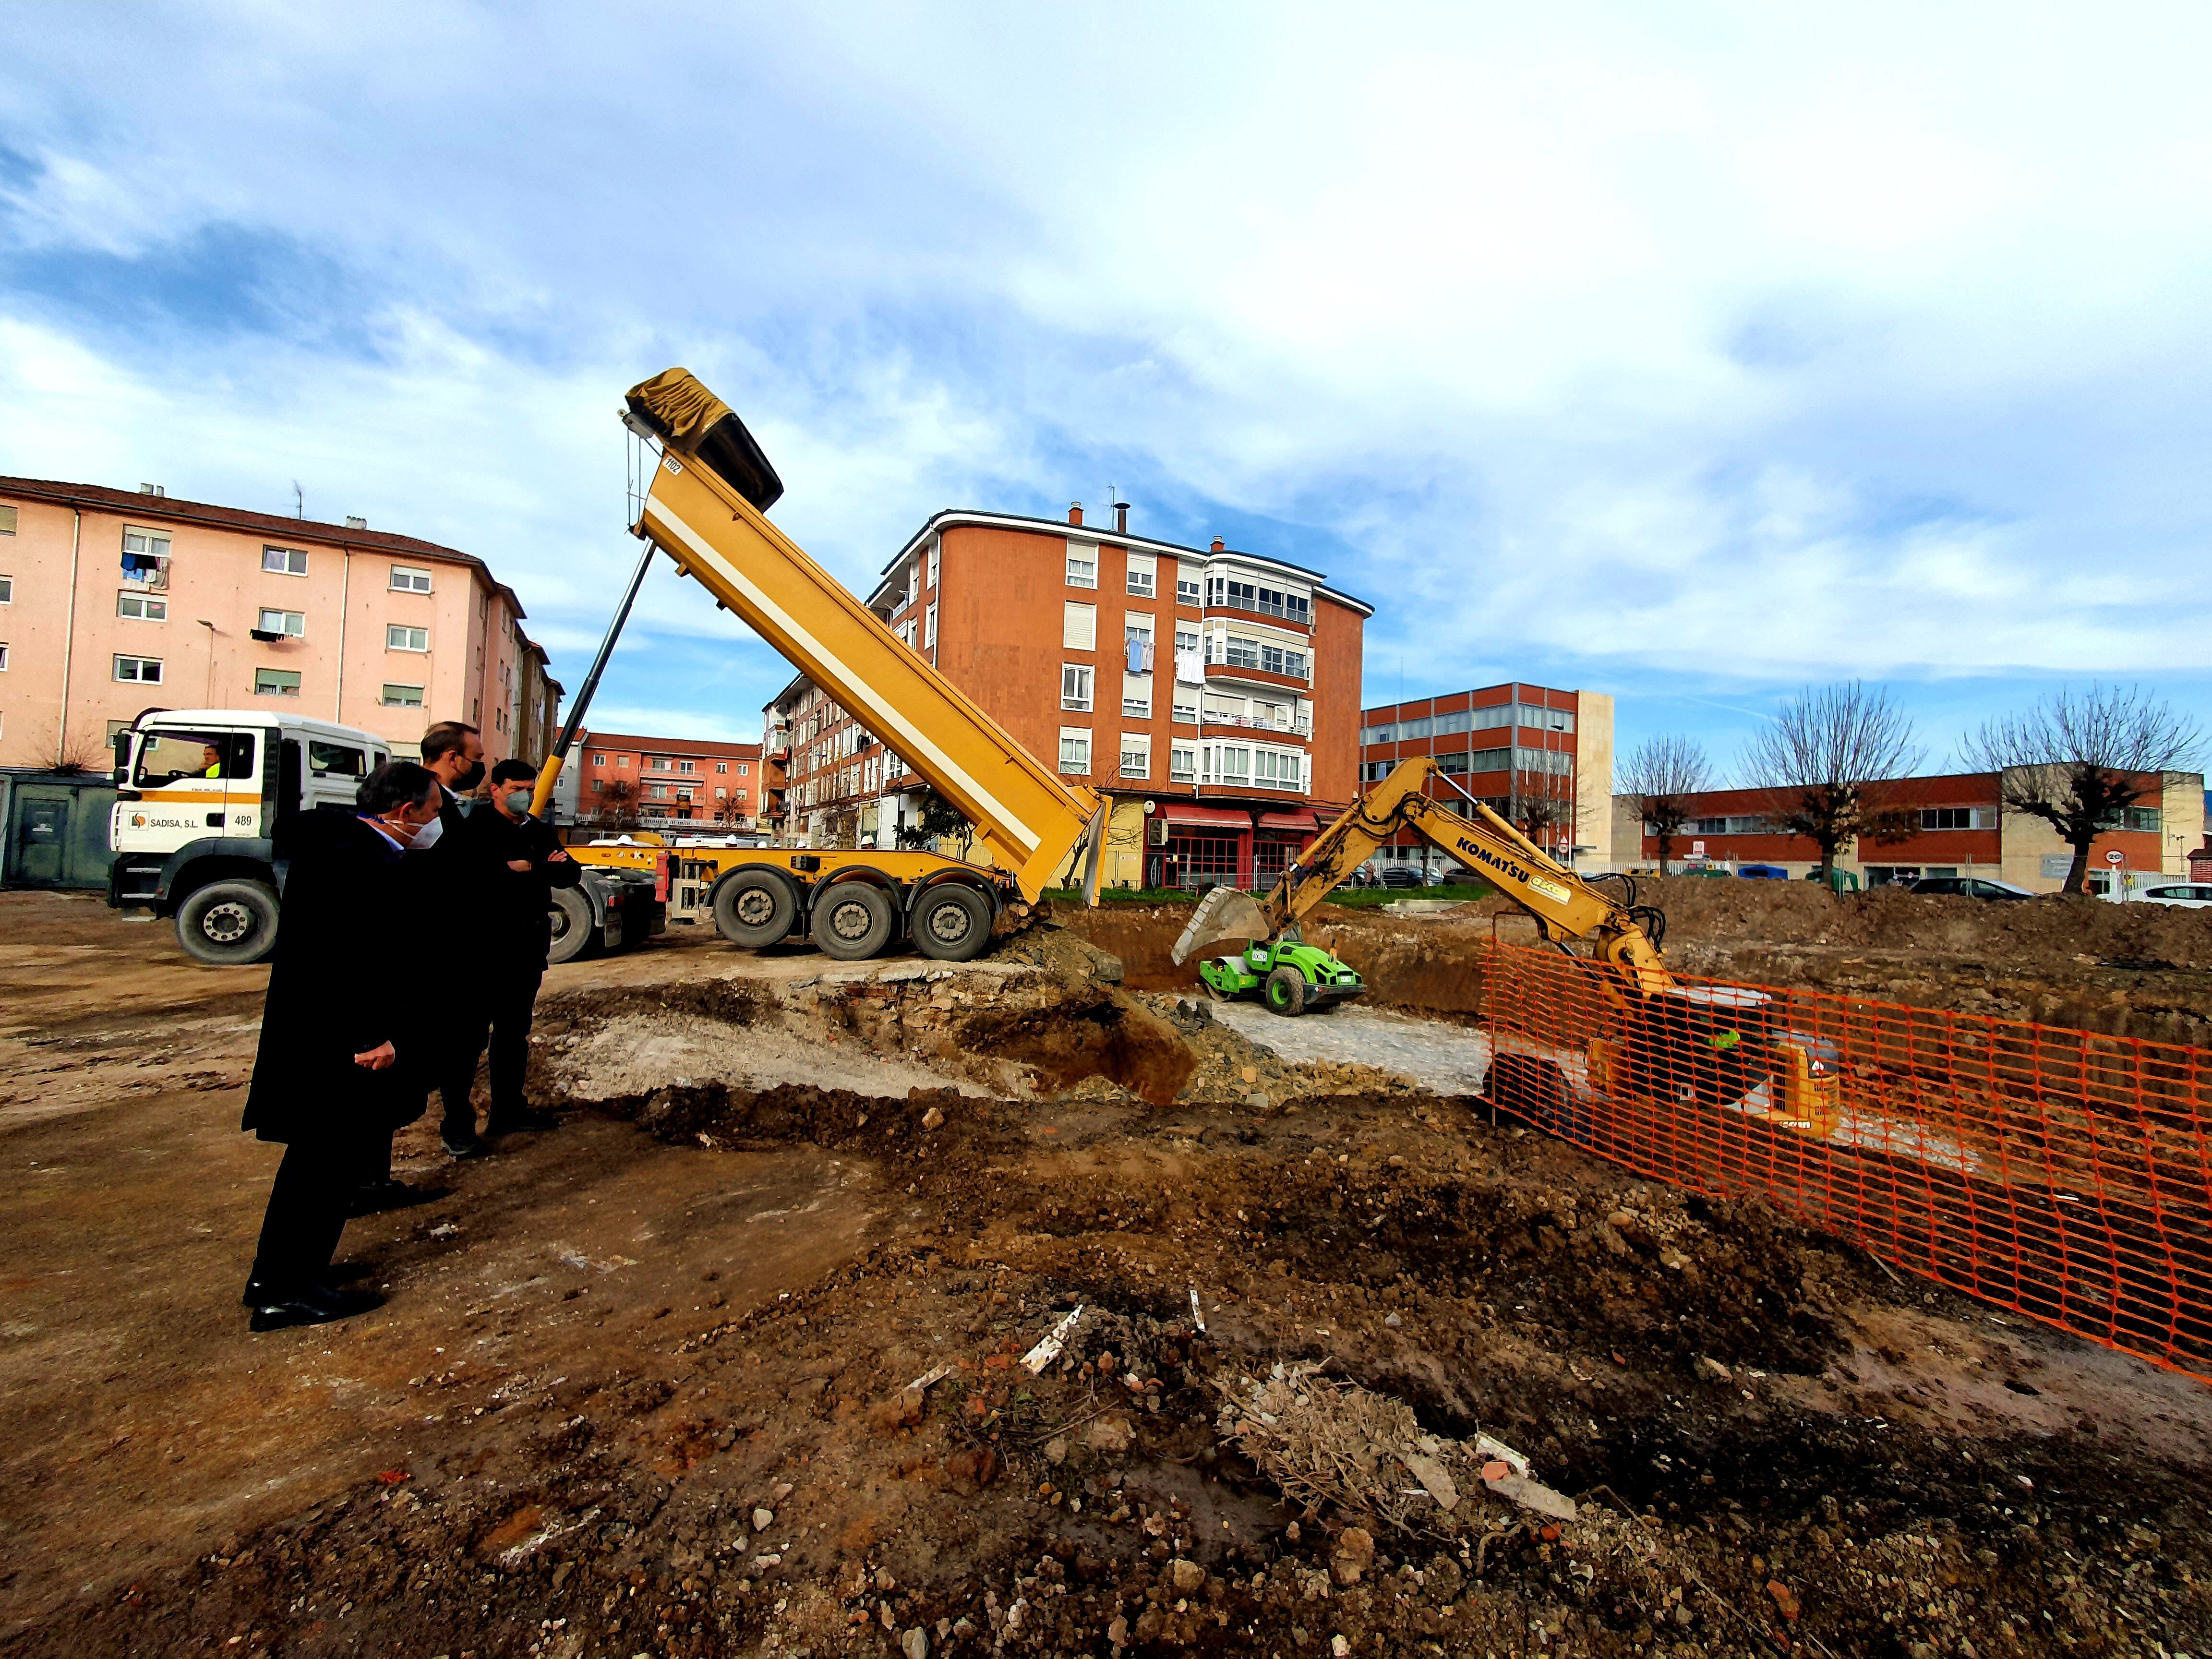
328, 1074
454, 886
526, 863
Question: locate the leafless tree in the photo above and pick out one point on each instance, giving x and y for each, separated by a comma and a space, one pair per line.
1656, 781
617, 800
2079, 760
1822, 763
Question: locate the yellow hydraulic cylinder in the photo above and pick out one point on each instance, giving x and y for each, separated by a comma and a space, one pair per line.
1022, 813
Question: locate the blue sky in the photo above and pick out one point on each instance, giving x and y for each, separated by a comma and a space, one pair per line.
1691, 353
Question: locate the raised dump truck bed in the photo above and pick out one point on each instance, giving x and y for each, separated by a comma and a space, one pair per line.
707, 510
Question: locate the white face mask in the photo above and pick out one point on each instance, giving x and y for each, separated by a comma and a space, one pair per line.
427, 836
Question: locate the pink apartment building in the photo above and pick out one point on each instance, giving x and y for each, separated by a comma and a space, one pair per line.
112, 603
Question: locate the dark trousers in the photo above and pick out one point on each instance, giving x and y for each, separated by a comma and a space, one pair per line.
506, 1001
307, 1205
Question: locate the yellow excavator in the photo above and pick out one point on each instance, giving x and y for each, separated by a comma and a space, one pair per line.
1723, 1046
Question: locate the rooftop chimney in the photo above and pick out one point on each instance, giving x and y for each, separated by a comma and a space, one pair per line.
1075, 512
153, 490
1121, 517
353, 523
1220, 546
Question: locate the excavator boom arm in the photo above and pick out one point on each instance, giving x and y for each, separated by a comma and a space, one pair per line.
1564, 905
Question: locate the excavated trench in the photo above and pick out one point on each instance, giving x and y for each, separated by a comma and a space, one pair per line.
1775, 1445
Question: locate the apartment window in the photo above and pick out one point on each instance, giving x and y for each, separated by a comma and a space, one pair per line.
6, 520
1186, 640
146, 557
1183, 765
294, 622
1143, 575
1233, 764
402, 696
1074, 750
743, 769
4, 663
1947, 818
1375, 771
1137, 697
687, 766
929, 626
2143, 818
7, 586
933, 550
1452, 766
284, 561
138, 671
1082, 565
1079, 626
1276, 769
1186, 589
1241, 654
276, 682
1075, 687
145, 607
1276, 659
1185, 704
405, 579
1136, 756
722, 766
622, 761
1489, 719
598, 760
398, 638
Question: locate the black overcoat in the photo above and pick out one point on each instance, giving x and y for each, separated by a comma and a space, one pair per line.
339, 983
516, 905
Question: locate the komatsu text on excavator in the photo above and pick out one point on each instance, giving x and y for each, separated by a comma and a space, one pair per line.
1670, 1043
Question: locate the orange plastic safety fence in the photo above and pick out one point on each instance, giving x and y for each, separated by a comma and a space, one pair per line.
2059, 1173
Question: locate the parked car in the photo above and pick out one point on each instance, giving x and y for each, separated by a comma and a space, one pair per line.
1764, 872
2181, 895
1980, 887
1404, 875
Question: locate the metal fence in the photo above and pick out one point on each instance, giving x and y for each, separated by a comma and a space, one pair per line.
2062, 1174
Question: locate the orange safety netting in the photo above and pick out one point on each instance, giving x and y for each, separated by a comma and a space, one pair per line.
2062, 1174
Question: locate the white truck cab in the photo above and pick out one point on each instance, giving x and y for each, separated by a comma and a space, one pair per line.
198, 794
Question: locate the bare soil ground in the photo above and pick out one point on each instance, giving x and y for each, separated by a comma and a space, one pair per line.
642, 1385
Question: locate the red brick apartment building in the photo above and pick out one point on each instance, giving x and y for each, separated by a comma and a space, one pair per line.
1540, 758
1962, 832
661, 781
1213, 693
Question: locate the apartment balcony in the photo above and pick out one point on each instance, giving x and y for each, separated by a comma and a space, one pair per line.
1276, 616
1249, 674
1299, 731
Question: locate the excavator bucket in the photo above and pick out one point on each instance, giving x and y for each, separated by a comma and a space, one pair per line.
1224, 912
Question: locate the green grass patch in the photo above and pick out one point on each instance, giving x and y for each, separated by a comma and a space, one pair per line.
1372, 898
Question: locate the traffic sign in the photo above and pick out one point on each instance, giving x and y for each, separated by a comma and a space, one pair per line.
2116, 856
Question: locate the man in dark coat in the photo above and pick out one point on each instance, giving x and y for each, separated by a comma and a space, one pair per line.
341, 1006
454, 883
524, 862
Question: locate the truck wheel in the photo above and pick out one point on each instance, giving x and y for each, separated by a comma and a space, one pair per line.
754, 909
575, 932
854, 921
228, 924
952, 923
1286, 990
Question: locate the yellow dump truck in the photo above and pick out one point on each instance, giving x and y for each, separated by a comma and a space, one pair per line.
707, 509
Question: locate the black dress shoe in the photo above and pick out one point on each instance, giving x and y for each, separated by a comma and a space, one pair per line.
316, 1307
373, 1197
521, 1120
457, 1144
338, 1273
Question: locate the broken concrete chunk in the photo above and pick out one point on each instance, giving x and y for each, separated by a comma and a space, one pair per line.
1711, 1369
1354, 1555
1055, 1450
934, 1118
1487, 1449
1532, 1495
1111, 1435
764, 1519
1435, 1477
914, 1644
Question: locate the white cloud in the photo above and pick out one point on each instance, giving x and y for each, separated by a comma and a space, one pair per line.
1598, 333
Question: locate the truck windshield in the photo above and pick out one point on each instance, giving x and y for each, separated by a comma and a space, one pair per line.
170, 756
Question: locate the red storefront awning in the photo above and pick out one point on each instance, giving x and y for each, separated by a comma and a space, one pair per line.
1205, 817
1304, 823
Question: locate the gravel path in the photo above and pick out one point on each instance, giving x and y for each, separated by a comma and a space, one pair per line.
1447, 1059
